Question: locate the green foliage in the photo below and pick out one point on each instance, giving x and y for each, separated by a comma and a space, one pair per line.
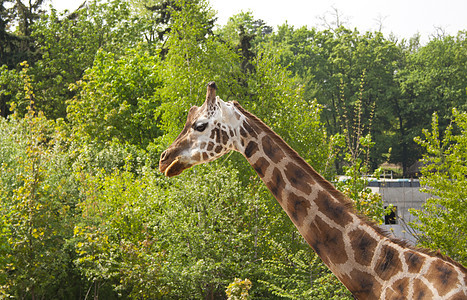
38, 208
432, 79
83, 211
69, 43
244, 23
358, 142
301, 275
275, 97
195, 58
116, 238
329, 64
215, 240
238, 289
356, 188
18, 89
10, 86
442, 223
16, 19
118, 98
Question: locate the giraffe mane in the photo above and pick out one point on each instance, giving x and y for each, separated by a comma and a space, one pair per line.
348, 204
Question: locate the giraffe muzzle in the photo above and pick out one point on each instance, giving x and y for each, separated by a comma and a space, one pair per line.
172, 168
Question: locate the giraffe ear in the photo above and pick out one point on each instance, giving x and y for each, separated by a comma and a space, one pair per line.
211, 96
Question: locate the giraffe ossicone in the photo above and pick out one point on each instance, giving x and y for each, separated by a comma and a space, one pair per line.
369, 263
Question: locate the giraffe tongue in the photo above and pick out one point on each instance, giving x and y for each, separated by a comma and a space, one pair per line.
175, 168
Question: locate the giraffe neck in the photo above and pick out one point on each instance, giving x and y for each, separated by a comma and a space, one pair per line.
366, 261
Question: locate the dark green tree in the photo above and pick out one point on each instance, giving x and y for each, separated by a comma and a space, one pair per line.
19, 45
432, 79
329, 65
245, 34
16, 44
7, 39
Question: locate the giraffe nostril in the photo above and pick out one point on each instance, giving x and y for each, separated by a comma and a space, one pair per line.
164, 155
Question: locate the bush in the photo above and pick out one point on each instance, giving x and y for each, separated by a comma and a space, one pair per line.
442, 223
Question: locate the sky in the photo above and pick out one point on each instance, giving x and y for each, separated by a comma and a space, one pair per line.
403, 18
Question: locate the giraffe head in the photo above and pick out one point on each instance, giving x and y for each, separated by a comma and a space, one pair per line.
208, 134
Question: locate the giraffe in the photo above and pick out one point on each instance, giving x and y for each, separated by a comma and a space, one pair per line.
364, 258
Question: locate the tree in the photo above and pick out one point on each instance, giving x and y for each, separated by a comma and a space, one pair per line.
432, 79
358, 144
195, 58
38, 203
68, 44
161, 16
118, 98
116, 238
245, 21
329, 65
238, 289
301, 275
19, 45
43, 191
160, 20
441, 223
10, 89
279, 100
7, 39
245, 34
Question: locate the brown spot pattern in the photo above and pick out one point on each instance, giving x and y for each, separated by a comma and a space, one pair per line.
297, 208
458, 296
243, 132
260, 166
398, 290
205, 156
249, 129
276, 185
251, 149
443, 274
329, 244
336, 211
363, 246
218, 149
197, 156
362, 285
421, 291
210, 146
298, 178
414, 261
272, 150
388, 263
218, 135
225, 137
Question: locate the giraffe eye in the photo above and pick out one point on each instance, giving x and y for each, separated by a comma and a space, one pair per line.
201, 126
